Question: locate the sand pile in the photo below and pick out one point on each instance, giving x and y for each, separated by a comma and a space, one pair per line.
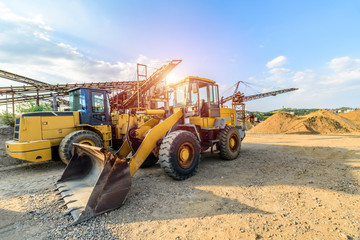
248, 124
319, 122
353, 116
277, 123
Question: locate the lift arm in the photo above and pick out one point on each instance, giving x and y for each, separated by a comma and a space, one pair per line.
148, 144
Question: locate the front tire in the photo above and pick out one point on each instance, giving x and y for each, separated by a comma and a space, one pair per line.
179, 154
66, 149
229, 143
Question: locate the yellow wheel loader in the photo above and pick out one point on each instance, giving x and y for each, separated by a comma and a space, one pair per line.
96, 181
39, 136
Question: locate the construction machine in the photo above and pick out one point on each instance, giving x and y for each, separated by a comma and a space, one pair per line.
96, 181
43, 136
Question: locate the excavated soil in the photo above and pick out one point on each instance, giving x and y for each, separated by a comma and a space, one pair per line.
353, 116
281, 187
319, 122
248, 124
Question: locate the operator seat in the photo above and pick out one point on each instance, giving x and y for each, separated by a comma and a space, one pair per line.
204, 108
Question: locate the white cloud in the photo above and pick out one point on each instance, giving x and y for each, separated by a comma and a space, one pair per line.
279, 70
69, 49
342, 70
42, 35
344, 63
317, 89
28, 49
279, 75
345, 70
304, 76
277, 62
8, 16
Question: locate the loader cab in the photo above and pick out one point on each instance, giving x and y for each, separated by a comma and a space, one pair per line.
92, 104
199, 96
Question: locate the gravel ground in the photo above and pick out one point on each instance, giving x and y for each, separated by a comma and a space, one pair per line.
281, 187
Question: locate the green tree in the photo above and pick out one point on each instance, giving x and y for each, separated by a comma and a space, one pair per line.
7, 118
32, 107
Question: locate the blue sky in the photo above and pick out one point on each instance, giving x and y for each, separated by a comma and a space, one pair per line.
312, 45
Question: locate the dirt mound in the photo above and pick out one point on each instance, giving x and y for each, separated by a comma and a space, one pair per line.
277, 123
319, 122
353, 116
248, 124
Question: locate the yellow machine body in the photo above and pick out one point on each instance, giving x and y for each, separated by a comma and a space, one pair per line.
36, 134
34, 151
208, 122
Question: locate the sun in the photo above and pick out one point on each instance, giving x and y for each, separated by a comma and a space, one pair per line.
171, 78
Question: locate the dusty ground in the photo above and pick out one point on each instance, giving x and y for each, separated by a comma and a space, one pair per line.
281, 187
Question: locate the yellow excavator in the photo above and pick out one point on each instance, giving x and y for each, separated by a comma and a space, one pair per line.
96, 181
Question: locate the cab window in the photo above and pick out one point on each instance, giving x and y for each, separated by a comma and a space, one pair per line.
77, 100
203, 93
216, 95
98, 102
213, 91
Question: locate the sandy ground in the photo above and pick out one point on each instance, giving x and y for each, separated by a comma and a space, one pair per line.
281, 187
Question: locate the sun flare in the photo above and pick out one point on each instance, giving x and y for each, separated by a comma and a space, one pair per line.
172, 78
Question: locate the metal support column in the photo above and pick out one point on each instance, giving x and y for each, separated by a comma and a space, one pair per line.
37, 97
13, 104
143, 76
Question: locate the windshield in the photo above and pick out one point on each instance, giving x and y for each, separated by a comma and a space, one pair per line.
180, 95
77, 100
194, 95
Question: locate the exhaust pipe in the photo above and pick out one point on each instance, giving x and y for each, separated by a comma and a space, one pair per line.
95, 181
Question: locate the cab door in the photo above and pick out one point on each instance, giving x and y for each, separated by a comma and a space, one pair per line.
213, 91
99, 108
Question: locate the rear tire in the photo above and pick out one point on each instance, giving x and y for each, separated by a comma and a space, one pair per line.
229, 143
66, 149
179, 154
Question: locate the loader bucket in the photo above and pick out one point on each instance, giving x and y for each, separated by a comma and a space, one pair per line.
95, 181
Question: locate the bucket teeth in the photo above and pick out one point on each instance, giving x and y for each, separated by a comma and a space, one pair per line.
70, 210
65, 204
61, 198
59, 193
58, 187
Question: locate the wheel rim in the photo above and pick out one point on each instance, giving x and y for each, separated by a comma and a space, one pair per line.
87, 142
233, 142
186, 155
